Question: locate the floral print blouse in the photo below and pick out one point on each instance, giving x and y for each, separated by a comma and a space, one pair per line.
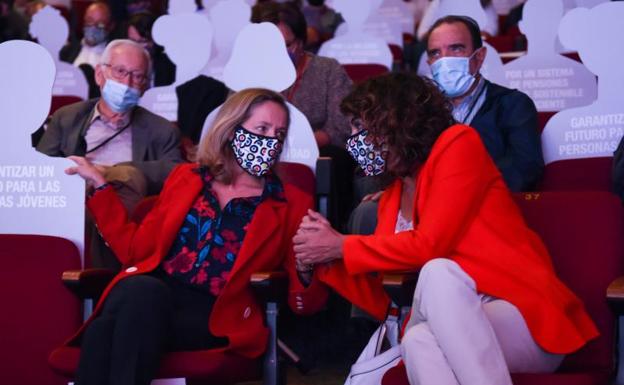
206, 247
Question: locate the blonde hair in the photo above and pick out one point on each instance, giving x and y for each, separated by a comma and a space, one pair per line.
215, 151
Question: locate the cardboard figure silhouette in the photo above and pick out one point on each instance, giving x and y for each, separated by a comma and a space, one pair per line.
387, 22
36, 196
228, 18
553, 81
355, 45
492, 68
596, 129
187, 38
50, 29
260, 59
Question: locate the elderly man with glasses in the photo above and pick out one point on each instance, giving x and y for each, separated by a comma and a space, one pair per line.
134, 148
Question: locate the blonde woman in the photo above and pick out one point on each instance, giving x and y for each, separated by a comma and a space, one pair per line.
186, 267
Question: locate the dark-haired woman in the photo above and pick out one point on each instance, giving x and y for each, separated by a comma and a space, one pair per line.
487, 300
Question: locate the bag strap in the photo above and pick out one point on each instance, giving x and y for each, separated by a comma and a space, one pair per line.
109, 138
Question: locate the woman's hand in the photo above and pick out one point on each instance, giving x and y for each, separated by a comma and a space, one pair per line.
89, 172
316, 241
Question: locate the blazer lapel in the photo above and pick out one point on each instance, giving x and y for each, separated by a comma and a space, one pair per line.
389, 209
187, 190
266, 220
140, 137
76, 143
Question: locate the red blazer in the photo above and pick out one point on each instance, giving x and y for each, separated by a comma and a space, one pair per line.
463, 211
267, 246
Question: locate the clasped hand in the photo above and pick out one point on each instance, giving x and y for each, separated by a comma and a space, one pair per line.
316, 241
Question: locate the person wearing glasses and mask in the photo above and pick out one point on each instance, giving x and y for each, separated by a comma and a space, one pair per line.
506, 119
488, 300
133, 148
97, 28
185, 283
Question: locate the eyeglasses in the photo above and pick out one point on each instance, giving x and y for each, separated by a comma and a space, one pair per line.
120, 73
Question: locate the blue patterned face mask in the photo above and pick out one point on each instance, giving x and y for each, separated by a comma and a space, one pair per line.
120, 97
256, 154
453, 75
372, 159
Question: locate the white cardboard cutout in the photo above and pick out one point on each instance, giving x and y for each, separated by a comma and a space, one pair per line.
356, 46
36, 196
594, 130
398, 12
553, 81
260, 59
50, 29
492, 68
503, 7
187, 38
228, 18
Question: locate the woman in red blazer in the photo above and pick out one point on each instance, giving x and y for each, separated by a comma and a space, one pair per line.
184, 284
487, 300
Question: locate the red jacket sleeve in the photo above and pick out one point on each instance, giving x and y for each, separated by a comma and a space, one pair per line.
456, 181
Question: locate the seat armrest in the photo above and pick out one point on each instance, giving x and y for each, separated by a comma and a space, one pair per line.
270, 286
88, 283
400, 287
615, 295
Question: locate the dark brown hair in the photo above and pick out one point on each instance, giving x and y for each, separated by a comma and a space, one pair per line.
470, 23
406, 112
287, 13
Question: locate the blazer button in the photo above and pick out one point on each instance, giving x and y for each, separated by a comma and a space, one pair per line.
131, 269
247, 312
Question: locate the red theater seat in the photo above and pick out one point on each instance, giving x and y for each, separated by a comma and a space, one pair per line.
583, 232
59, 101
361, 72
38, 313
584, 174
542, 118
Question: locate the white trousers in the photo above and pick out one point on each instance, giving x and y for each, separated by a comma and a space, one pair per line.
458, 336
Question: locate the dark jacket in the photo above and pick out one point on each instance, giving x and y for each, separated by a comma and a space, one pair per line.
507, 123
196, 99
155, 141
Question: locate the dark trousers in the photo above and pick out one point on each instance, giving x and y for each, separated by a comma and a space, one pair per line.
143, 317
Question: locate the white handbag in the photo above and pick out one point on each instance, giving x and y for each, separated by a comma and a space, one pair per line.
372, 363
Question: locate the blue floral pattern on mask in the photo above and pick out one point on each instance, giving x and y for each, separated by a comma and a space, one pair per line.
371, 158
256, 154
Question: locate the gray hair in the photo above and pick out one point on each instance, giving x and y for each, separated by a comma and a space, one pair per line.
106, 55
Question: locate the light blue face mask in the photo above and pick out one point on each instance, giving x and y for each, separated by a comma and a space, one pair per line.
120, 97
452, 74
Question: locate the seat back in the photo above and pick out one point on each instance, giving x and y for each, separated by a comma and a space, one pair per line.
542, 119
362, 72
38, 312
583, 174
59, 101
583, 233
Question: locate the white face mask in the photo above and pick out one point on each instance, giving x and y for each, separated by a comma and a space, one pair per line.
452, 74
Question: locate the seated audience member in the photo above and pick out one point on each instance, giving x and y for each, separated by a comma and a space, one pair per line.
140, 31
505, 119
488, 300
322, 22
13, 25
134, 149
97, 27
114, 131
321, 82
229, 210
320, 85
